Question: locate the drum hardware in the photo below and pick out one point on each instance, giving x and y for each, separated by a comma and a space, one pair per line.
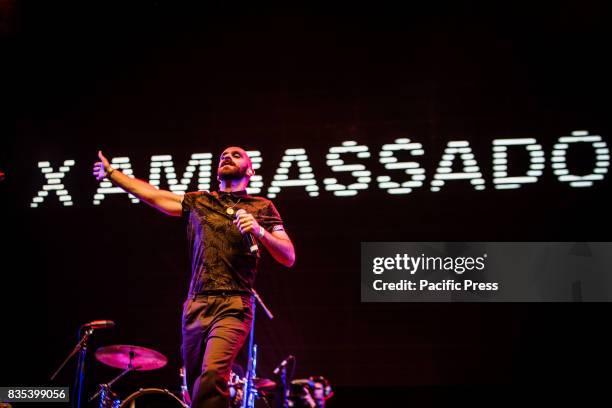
108, 399
264, 384
236, 389
311, 392
184, 390
129, 358
236, 384
160, 397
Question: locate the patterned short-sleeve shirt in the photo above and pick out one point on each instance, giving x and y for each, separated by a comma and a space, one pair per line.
220, 258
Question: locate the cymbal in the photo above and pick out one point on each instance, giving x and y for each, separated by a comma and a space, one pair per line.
264, 384
140, 358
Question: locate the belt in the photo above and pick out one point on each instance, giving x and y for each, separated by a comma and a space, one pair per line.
223, 293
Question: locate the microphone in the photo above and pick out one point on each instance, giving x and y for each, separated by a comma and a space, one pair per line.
100, 324
283, 364
250, 239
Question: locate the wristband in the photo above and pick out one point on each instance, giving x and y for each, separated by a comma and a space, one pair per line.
262, 232
108, 175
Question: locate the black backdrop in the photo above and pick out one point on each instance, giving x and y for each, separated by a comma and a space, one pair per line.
161, 78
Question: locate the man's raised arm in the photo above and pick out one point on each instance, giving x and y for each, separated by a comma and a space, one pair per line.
165, 201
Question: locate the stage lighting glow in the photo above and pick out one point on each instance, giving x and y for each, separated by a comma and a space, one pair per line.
54, 183
471, 171
560, 165
390, 162
201, 164
106, 188
306, 176
337, 165
501, 181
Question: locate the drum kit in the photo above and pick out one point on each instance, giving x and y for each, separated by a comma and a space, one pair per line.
135, 358
283, 392
302, 393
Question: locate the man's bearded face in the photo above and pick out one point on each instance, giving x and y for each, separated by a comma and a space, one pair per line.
233, 164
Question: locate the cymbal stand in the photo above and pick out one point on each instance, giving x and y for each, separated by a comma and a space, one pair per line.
106, 388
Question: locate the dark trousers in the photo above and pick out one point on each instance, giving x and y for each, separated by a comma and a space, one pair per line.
214, 330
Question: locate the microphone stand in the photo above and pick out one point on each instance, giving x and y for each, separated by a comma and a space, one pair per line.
248, 399
80, 348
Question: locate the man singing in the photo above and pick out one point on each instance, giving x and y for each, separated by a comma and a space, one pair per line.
217, 314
